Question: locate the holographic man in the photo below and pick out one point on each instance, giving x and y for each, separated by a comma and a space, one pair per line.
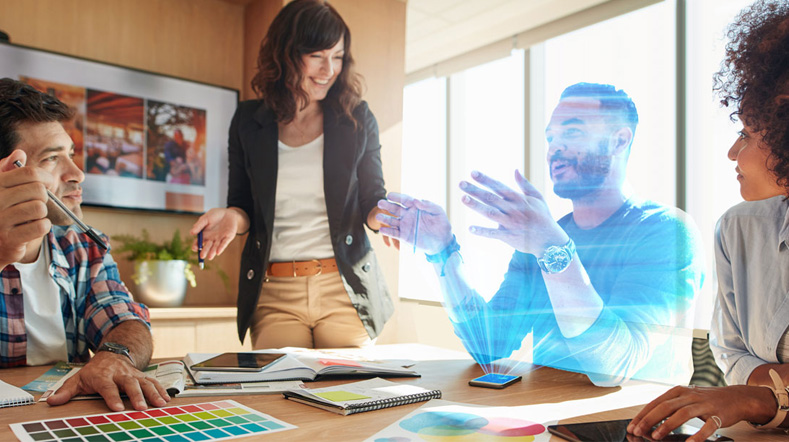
607, 290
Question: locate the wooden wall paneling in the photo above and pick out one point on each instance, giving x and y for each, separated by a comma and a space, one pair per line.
258, 15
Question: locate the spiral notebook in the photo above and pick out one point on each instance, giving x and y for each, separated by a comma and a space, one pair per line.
372, 394
11, 396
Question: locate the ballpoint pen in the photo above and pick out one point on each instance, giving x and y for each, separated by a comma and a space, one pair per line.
84, 227
200, 260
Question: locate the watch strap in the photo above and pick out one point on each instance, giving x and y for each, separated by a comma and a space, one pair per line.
781, 397
118, 349
442, 256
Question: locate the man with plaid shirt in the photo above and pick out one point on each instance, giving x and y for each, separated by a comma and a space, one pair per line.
60, 293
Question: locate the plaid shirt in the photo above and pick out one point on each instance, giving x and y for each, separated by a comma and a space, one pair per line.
92, 296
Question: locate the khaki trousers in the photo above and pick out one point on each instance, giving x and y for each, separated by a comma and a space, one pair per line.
306, 311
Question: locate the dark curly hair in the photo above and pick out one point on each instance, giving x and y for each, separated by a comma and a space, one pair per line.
303, 27
754, 77
21, 103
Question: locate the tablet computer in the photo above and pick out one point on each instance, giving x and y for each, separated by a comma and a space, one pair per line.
238, 362
616, 431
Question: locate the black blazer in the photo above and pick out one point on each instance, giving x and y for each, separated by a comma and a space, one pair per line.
353, 183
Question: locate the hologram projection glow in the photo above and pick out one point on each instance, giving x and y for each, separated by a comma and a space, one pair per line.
626, 313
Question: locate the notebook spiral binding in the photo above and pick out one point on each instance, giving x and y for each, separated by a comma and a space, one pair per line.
393, 402
16, 402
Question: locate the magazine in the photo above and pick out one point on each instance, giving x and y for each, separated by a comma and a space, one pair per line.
305, 366
173, 376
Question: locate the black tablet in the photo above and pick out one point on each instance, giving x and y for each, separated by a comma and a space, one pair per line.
238, 362
616, 431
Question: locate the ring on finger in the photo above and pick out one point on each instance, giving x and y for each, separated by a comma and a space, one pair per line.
717, 421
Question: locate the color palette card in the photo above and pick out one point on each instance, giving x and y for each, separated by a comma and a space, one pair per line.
209, 421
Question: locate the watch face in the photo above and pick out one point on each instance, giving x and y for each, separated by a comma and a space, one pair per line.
115, 348
557, 259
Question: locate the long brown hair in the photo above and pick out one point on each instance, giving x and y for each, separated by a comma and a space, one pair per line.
303, 27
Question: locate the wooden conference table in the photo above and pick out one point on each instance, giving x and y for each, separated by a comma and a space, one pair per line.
539, 386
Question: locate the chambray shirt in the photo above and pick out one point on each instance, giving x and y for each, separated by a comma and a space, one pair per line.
93, 298
752, 307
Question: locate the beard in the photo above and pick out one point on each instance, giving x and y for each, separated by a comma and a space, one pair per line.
591, 172
58, 218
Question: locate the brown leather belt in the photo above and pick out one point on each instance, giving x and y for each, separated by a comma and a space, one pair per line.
301, 268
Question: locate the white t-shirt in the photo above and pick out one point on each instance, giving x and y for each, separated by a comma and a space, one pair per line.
301, 224
46, 334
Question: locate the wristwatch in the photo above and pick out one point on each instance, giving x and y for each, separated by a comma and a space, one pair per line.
781, 393
556, 259
118, 349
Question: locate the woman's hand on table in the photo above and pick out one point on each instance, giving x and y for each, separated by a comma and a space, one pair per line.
718, 407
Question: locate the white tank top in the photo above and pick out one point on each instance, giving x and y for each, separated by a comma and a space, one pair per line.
46, 334
301, 224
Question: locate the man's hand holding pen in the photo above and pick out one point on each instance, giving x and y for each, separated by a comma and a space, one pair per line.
23, 210
51, 197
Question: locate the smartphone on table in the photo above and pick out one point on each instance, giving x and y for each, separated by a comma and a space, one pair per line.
494, 380
616, 431
238, 362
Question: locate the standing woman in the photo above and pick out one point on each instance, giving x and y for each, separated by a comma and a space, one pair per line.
750, 327
305, 176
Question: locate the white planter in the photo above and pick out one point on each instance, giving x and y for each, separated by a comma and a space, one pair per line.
162, 283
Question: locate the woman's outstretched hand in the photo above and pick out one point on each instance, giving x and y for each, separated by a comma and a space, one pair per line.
219, 227
416, 222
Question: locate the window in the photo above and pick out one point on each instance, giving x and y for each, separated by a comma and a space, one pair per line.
634, 53
489, 118
486, 134
485, 121
424, 173
712, 186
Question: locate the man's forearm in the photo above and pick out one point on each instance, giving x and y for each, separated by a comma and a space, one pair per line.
576, 303
136, 336
460, 299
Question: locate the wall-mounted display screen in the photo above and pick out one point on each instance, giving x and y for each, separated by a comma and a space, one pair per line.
144, 140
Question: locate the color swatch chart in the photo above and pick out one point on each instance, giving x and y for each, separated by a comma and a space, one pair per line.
188, 423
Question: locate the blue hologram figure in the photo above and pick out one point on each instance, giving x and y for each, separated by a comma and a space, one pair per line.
608, 290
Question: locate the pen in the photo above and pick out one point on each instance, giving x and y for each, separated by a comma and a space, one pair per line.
200, 261
88, 231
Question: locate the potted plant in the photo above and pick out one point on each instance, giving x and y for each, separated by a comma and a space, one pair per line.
161, 270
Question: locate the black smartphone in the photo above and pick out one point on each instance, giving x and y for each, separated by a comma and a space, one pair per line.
616, 431
494, 380
238, 362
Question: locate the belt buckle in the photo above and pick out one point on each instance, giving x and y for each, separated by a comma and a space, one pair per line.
320, 267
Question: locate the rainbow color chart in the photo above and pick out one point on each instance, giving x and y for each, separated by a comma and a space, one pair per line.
445, 421
210, 421
447, 426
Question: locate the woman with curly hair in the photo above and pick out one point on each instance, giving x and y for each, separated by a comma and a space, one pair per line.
750, 329
305, 177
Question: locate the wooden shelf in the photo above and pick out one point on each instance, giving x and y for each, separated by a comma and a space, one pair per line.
209, 329
208, 312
